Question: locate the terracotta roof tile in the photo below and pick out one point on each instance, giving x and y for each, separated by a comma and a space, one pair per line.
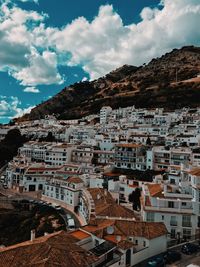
126, 228
74, 180
155, 190
195, 172
80, 234
58, 249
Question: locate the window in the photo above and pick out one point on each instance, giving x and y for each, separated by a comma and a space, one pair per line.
144, 243
172, 181
150, 217
173, 221
184, 203
173, 233
163, 217
170, 204
186, 221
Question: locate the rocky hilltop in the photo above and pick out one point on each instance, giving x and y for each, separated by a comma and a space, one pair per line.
171, 81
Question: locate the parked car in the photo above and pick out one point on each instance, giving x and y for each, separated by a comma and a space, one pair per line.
189, 248
156, 262
172, 256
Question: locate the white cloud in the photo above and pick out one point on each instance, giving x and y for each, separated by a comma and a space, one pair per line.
105, 43
10, 107
31, 89
42, 69
20, 111
18, 52
84, 79
32, 52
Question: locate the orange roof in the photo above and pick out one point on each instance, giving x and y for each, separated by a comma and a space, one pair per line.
57, 249
195, 172
155, 190
127, 228
80, 234
111, 174
74, 180
132, 185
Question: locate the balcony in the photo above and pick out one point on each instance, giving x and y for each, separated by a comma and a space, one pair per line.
171, 210
186, 224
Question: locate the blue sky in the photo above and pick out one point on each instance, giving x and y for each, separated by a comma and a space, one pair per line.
46, 45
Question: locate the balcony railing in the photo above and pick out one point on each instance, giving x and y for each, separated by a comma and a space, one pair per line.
186, 224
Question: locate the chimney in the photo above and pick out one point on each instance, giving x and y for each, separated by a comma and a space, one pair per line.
45, 234
32, 234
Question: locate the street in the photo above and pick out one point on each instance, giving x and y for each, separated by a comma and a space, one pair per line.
187, 260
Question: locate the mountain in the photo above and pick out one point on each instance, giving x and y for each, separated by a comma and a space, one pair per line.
170, 81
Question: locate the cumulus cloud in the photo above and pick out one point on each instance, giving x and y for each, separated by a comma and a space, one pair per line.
31, 89
42, 69
18, 53
32, 52
10, 107
105, 43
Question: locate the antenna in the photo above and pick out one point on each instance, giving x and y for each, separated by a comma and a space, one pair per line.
110, 230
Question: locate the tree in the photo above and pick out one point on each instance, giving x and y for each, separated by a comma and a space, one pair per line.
14, 137
148, 141
9, 146
50, 137
134, 197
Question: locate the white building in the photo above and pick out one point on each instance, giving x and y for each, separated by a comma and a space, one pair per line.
104, 112
174, 202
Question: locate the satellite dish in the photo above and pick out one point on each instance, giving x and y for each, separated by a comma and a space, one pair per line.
110, 230
118, 238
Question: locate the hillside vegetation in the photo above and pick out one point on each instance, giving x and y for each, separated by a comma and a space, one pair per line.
170, 81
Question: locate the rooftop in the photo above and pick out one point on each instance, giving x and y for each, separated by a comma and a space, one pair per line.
155, 190
57, 249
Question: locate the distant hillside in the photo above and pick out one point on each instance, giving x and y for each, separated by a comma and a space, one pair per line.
170, 81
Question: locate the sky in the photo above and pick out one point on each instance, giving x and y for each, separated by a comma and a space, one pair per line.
46, 45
